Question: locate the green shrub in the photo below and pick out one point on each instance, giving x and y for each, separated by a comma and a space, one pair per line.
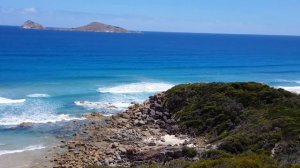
215, 154
189, 152
241, 116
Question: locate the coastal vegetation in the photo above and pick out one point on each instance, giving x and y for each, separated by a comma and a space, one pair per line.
240, 117
239, 125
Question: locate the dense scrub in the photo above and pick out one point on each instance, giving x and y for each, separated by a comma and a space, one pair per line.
240, 116
234, 161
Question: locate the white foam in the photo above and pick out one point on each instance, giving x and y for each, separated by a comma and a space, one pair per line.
295, 89
34, 111
14, 120
28, 148
38, 95
141, 87
102, 105
11, 101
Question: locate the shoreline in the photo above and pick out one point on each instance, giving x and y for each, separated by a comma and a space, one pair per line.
155, 132
144, 133
40, 158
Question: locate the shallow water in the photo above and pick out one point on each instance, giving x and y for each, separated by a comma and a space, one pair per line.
49, 76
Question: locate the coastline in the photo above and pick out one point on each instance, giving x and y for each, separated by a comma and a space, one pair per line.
157, 131
142, 134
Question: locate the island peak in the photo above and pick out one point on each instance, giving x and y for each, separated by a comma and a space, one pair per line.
29, 24
100, 27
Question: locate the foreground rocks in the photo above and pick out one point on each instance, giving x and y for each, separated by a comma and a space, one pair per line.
145, 133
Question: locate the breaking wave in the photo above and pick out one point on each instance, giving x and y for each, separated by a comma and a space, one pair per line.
141, 87
11, 101
102, 105
37, 95
33, 111
35, 119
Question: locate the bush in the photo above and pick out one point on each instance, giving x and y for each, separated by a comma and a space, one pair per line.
189, 152
241, 116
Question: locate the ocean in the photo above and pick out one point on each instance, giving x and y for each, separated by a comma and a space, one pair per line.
49, 78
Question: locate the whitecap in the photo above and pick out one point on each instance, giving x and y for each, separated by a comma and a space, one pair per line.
102, 105
142, 87
295, 89
11, 101
34, 111
38, 95
288, 81
13, 120
28, 148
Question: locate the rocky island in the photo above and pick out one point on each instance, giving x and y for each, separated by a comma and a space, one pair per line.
32, 25
92, 27
198, 125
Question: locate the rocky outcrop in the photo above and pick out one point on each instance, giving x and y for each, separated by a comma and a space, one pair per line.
145, 133
32, 25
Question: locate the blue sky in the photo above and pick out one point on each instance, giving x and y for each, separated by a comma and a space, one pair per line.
206, 16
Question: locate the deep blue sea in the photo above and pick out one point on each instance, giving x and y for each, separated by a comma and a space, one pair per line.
51, 77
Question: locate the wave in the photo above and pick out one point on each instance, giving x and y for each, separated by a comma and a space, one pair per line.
34, 111
288, 81
142, 87
295, 89
11, 101
37, 95
28, 148
102, 105
35, 119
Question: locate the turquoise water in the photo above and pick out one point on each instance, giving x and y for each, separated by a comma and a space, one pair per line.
50, 77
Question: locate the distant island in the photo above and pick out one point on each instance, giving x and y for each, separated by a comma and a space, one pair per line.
91, 27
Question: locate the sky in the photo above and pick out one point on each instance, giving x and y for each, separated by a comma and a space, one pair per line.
278, 17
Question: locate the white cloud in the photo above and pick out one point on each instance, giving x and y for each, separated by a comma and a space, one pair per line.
24, 11
28, 10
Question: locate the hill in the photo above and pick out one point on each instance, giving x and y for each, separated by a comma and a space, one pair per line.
240, 117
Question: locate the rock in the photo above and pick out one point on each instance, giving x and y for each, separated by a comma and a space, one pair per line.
114, 145
122, 150
152, 113
138, 114
158, 107
26, 124
125, 115
195, 158
165, 118
160, 114
152, 143
139, 122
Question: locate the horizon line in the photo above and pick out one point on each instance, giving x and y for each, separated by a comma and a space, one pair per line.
183, 32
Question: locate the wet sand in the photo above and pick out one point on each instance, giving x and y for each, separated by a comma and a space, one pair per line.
27, 159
